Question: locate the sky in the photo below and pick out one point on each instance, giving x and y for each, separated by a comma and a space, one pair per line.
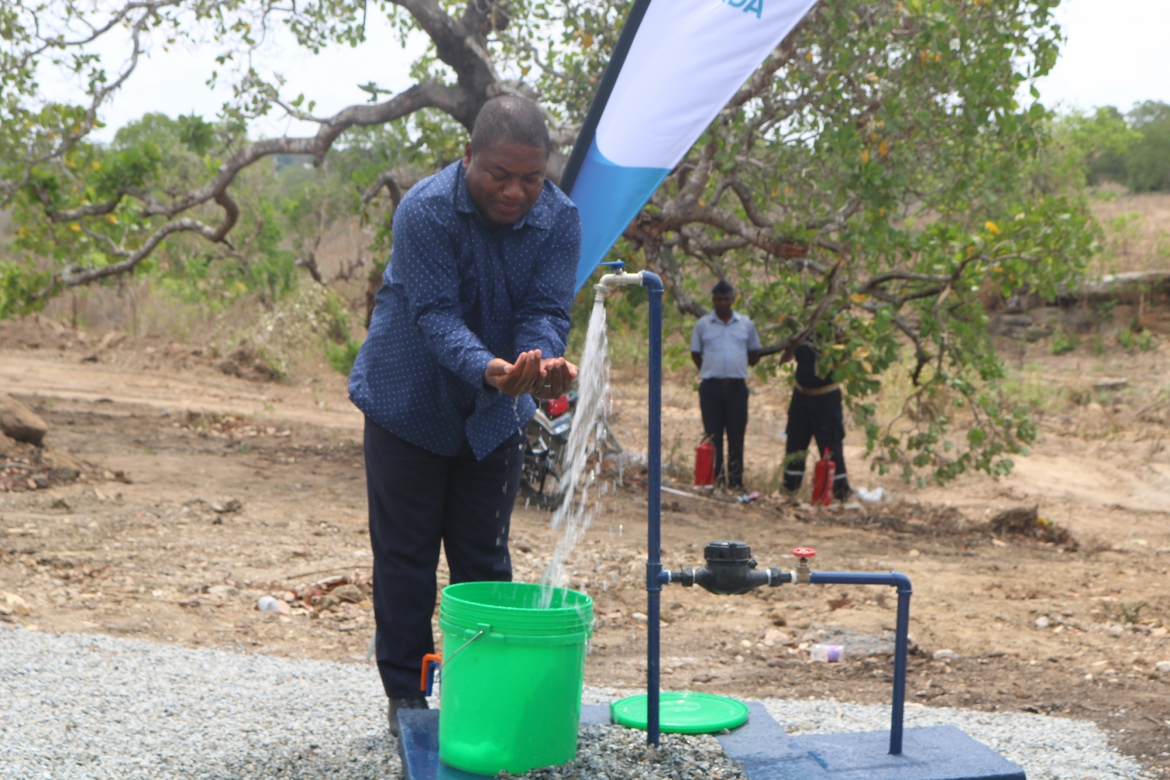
174, 82
1114, 55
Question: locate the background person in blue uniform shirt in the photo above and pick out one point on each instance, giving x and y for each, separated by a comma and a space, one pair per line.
723, 345
815, 410
468, 326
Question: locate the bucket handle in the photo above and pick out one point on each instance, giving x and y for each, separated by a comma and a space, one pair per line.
432, 663
482, 630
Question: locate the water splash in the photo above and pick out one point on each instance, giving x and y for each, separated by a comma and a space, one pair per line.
575, 513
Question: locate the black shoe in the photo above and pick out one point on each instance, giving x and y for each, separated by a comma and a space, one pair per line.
405, 703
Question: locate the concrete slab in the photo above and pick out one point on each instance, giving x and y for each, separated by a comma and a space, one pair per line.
761, 746
418, 747
766, 752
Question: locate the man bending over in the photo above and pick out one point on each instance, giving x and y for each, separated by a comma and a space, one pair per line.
468, 326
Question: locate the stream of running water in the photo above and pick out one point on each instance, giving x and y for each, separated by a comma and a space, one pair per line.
580, 504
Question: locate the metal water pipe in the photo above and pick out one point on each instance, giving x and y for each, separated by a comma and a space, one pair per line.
730, 568
901, 633
654, 582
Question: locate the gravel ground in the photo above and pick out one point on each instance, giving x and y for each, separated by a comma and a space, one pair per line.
87, 706
621, 753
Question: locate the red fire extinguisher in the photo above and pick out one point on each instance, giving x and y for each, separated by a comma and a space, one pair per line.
705, 463
826, 470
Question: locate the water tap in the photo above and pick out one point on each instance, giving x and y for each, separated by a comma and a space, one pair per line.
803, 573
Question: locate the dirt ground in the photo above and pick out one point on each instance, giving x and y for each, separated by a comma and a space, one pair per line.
201, 491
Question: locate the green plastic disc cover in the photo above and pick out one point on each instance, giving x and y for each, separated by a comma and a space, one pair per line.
682, 713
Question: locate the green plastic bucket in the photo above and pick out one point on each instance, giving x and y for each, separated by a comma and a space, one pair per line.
510, 698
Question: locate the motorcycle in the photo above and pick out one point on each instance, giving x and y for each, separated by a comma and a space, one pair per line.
544, 454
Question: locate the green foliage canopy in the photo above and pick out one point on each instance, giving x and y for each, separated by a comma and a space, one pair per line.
1148, 163
1107, 146
866, 186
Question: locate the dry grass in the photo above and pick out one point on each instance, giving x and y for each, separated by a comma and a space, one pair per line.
1137, 231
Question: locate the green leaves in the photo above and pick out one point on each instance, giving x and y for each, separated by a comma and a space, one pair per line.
890, 141
129, 168
870, 189
198, 136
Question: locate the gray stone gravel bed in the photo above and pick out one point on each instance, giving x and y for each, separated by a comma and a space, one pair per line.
87, 706
616, 753
91, 706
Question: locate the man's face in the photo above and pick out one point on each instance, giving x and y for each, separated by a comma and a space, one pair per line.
504, 179
722, 303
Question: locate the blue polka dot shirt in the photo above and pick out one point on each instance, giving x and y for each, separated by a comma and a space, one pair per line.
456, 293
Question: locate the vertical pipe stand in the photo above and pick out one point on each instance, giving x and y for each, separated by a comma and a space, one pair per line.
653, 286
901, 634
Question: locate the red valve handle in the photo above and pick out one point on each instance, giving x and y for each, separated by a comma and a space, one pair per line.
804, 553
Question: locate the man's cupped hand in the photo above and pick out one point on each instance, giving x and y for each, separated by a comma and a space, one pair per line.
531, 374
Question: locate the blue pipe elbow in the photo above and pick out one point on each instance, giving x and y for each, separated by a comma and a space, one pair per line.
652, 282
901, 582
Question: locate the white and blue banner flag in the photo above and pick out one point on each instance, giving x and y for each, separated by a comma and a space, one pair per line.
675, 66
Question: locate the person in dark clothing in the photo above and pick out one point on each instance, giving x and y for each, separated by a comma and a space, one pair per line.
815, 411
467, 328
723, 345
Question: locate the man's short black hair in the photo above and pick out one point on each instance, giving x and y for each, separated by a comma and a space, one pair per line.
510, 118
722, 287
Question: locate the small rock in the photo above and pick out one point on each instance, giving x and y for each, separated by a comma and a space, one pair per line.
269, 604
1162, 666
641, 618
224, 592
350, 593
772, 637
13, 603
1042, 622
111, 339
914, 553
226, 506
778, 619
19, 422
945, 655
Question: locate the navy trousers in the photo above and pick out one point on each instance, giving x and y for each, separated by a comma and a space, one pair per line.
817, 416
724, 406
419, 500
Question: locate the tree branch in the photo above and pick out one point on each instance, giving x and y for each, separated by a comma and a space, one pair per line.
788, 346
